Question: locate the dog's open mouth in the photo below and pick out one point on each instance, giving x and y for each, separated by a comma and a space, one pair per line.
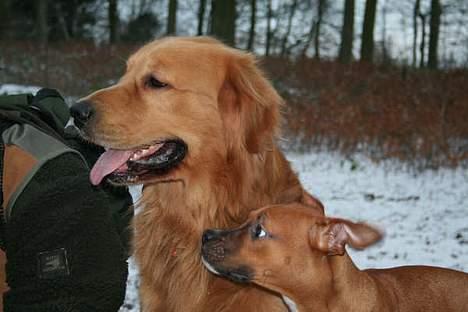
132, 166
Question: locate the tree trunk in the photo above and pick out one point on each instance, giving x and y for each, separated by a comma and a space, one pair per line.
347, 33
61, 22
320, 11
70, 9
310, 36
253, 8
436, 11
268, 31
367, 44
4, 18
384, 34
201, 17
292, 11
171, 18
415, 30
42, 25
113, 16
223, 20
422, 45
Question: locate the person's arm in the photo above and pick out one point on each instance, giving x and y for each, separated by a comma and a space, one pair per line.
3, 284
63, 245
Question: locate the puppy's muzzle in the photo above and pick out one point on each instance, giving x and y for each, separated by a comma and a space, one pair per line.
213, 246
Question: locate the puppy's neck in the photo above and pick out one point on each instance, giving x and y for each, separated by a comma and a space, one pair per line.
348, 286
351, 286
305, 305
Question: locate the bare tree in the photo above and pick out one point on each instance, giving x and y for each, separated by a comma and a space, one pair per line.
172, 17
223, 20
436, 11
201, 17
384, 33
140, 7
310, 35
416, 10
42, 26
422, 46
4, 17
284, 42
113, 16
61, 21
347, 33
253, 13
321, 8
268, 30
367, 43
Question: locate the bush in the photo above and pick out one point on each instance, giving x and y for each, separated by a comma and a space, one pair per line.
418, 116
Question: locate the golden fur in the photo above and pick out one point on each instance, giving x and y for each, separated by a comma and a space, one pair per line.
226, 111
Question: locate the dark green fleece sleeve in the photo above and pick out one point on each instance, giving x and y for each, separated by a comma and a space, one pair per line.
63, 246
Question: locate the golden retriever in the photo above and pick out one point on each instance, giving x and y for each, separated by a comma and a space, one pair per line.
194, 121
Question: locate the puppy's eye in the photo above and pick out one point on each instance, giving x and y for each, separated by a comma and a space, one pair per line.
154, 83
258, 231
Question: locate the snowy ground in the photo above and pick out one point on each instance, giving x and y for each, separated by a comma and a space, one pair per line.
424, 215
15, 89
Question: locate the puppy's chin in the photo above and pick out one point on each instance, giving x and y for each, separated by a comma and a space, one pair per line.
209, 266
241, 274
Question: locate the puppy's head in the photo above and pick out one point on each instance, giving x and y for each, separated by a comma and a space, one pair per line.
183, 106
283, 248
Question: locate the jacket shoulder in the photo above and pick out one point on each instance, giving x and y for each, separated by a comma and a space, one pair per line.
26, 150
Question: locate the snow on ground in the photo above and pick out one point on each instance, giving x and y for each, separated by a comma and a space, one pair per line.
8, 89
424, 215
15, 89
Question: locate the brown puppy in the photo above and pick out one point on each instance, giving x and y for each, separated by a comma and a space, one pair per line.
194, 121
293, 251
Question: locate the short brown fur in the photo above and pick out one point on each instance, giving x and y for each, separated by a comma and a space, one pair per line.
302, 257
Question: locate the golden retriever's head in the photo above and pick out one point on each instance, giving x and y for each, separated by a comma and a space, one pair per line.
182, 103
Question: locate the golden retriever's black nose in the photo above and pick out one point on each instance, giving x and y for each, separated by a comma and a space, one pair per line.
81, 112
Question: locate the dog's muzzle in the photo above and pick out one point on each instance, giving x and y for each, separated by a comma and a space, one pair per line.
81, 112
214, 255
213, 246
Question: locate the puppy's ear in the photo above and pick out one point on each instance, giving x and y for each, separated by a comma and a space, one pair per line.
249, 105
331, 235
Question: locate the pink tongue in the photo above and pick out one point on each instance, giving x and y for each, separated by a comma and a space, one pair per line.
109, 161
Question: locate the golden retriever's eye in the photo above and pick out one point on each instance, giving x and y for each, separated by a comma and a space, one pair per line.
153, 83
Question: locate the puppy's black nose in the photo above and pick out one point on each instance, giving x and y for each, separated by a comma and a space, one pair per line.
209, 235
81, 112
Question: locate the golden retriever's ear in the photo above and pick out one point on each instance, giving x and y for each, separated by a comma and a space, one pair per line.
249, 105
313, 202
